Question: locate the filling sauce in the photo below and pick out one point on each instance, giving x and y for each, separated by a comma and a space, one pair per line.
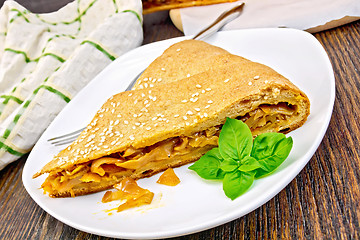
169, 178
129, 191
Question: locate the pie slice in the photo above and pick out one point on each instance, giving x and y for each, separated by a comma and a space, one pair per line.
147, 130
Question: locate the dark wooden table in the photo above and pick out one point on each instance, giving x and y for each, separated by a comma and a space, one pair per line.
322, 202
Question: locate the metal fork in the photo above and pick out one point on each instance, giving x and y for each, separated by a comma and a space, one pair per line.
223, 19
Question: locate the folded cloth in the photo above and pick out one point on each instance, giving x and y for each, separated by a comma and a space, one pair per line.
310, 15
45, 59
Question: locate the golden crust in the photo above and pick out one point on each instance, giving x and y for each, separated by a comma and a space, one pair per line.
143, 117
150, 6
184, 59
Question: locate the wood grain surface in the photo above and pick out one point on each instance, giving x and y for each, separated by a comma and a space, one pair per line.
322, 202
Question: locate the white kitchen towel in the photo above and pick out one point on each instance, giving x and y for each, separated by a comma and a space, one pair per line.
46, 59
311, 15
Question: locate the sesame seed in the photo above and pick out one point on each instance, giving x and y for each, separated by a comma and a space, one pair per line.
137, 124
226, 80
116, 122
189, 113
154, 118
141, 86
147, 105
112, 111
131, 137
148, 128
208, 89
185, 117
130, 94
187, 124
266, 81
145, 85
126, 122
256, 77
205, 114
193, 99
195, 94
250, 83
198, 85
146, 101
203, 91
135, 102
151, 85
119, 115
160, 79
188, 75
143, 95
184, 101
135, 115
197, 109
210, 101
133, 127
207, 106
101, 115
176, 115
163, 69
154, 98
178, 49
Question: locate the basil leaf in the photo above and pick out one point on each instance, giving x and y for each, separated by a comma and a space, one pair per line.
235, 140
249, 164
236, 183
208, 166
270, 149
229, 165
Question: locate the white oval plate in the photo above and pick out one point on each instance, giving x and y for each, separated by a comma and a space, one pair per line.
195, 204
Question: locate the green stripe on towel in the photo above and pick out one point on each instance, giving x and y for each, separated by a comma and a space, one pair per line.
19, 14
136, 14
10, 150
27, 59
77, 19
9, 97
101, 49
27, 103
53, 90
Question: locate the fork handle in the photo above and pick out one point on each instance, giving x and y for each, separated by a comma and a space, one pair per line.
223, 19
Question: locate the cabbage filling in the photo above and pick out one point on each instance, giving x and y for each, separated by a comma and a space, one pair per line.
109, 170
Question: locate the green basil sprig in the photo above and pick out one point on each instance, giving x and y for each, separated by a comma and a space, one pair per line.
239, 160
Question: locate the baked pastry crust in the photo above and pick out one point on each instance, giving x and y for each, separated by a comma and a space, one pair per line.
188, 108
150, 6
